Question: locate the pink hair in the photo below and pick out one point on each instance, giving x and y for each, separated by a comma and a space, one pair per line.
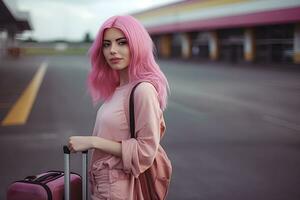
102, 80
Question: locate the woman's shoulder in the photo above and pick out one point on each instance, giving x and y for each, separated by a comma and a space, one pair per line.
145, 88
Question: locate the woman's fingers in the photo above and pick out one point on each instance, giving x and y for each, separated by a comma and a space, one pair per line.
78, 143
71, 148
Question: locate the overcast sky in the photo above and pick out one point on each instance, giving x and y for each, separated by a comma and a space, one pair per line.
71, 19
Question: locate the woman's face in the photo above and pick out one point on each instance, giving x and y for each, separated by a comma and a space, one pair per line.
115, 49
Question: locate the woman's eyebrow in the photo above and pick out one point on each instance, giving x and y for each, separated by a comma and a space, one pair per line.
116, 39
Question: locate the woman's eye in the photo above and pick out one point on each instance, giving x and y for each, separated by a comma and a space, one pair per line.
105, 45
122, 42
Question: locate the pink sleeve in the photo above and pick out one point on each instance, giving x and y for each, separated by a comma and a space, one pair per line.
138, 153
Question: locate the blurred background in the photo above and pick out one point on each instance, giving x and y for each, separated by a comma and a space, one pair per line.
233, 119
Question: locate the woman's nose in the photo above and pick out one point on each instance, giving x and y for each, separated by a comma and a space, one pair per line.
113, 49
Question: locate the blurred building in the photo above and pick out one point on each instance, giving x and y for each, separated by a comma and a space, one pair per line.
233, 30
12, 22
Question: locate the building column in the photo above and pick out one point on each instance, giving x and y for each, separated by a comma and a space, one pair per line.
249, 45
213, 45
11, 39
186, 45
12, 45
3, 43
165, 45
297, 44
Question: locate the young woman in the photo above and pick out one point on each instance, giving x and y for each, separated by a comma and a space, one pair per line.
121, 56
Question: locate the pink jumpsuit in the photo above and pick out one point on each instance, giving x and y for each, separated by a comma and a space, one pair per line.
113, 177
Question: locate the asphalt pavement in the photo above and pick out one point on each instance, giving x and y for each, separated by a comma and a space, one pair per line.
233, 131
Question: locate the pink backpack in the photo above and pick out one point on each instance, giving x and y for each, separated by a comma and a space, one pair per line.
155, 181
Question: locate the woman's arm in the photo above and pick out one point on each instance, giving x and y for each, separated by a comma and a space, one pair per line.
82, 143
139, 153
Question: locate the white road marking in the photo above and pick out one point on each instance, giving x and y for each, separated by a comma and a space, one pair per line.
281, 122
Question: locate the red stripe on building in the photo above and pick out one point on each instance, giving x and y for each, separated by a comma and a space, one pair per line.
281, 16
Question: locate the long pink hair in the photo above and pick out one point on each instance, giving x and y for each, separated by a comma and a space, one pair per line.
102, 80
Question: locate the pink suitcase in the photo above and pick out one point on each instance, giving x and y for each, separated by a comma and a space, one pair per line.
52, 185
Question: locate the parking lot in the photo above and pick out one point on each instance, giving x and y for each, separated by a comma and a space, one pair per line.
233, 131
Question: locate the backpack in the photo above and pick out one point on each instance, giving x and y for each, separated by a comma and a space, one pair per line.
155, 181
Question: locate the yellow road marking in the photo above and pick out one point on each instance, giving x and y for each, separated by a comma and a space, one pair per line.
19, 112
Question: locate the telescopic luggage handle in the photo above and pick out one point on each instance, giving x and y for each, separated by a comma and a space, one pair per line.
67, 173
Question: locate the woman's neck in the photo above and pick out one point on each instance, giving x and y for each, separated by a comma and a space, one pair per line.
123, 74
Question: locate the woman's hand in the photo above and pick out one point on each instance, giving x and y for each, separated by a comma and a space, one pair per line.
80, 143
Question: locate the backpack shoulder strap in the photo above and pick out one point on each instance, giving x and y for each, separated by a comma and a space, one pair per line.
131, 111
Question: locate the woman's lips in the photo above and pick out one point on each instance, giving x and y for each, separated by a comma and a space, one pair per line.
115, 60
